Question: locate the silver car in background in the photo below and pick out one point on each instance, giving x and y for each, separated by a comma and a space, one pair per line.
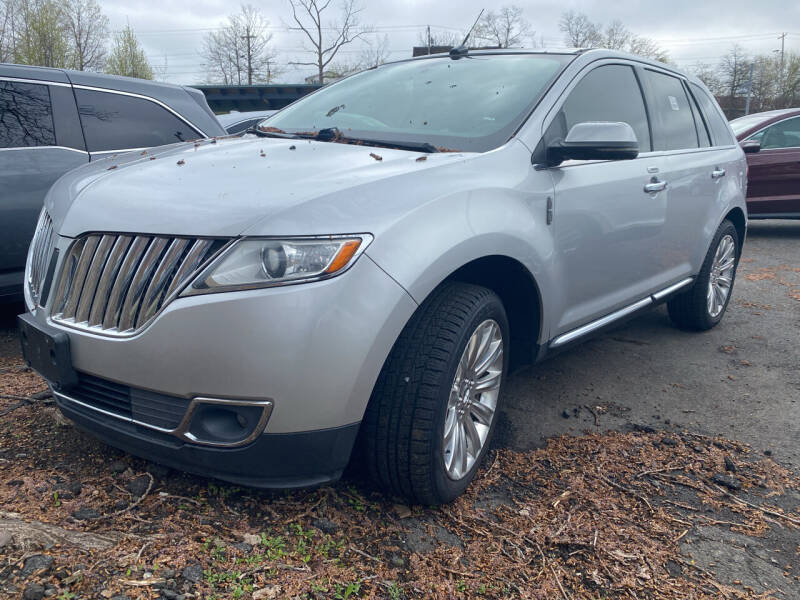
361, 275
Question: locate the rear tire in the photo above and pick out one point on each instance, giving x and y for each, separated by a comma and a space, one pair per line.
422, 382
703, 305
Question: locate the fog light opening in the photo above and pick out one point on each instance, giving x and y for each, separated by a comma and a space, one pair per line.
216, 422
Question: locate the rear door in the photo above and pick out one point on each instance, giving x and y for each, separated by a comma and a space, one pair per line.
40, 140
774, 182
696, 171
608, 230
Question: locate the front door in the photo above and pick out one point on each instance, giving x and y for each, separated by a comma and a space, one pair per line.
609, 216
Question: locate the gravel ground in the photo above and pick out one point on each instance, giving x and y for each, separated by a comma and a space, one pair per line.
646, 463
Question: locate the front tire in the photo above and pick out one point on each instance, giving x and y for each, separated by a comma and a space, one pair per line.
434, 408
703, 305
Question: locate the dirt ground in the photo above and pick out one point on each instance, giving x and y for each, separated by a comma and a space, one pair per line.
646, 463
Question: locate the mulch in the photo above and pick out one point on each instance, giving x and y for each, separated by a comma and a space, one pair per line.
591, 516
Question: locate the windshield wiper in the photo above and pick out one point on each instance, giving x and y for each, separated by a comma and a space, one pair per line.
414, 146
271, 134
333, 134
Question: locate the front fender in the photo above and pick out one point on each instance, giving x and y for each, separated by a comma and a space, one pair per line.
426, 246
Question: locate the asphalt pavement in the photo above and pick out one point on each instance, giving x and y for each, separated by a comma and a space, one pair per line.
740, 380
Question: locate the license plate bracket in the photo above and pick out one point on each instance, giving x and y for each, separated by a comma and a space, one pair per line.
46, 350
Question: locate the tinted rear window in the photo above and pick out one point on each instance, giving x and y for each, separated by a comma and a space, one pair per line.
26, 115
673, 124
721, 135
115, 122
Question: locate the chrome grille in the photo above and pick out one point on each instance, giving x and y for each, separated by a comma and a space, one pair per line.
41, 248
116, 283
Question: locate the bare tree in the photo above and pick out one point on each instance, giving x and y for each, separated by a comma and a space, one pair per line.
708, 75
127, 57
6, 30
579, 31
87, 28
432, 38
240, 53
308, 15
733, 69
616, 36
505, 28
375, 52
646, 47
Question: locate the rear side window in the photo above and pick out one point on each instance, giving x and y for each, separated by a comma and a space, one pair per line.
700, 123
26, 115
784, 134
720, 134
673, 124
609, 93
117, 122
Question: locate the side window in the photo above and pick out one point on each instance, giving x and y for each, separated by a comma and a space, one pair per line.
784, 134
673, 124
720, 133
117, 122
26, 116
608, 93
700, 123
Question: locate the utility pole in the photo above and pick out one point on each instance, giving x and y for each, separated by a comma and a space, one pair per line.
782, 38
249, 37
749, 91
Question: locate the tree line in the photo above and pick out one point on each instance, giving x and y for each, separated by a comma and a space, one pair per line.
771, 80
75, 34
71, 34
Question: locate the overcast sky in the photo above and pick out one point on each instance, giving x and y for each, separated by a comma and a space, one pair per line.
691, 30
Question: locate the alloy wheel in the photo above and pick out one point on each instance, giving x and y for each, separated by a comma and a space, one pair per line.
473, 398
721, 277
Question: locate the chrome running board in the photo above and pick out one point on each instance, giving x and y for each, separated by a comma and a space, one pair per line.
618, 314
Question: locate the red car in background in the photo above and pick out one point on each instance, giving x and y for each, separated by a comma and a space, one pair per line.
772, 142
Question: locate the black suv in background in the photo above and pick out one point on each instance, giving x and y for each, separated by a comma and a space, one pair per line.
53, 120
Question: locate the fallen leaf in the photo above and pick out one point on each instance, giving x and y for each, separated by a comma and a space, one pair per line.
422, 158
111, 168
376, 156
181, 162
267, 593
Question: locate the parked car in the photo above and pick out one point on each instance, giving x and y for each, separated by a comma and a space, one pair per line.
236, 122
772, 142
52, 120
428, 225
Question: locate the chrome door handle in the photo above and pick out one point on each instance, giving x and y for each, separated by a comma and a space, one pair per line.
717, 173
655, 185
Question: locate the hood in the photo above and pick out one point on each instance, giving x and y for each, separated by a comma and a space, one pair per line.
240, 185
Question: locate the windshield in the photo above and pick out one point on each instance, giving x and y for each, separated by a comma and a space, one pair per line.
744, 123
475, 103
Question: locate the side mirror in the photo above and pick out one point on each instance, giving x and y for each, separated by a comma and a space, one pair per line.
595, 141
751, 146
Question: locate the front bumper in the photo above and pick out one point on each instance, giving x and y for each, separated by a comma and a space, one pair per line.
271, 461
313, 351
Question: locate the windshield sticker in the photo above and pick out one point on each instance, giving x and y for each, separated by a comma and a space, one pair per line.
673, 102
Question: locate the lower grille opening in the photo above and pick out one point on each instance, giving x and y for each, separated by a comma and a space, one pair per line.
158, 410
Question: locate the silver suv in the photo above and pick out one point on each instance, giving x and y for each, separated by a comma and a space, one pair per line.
362, 273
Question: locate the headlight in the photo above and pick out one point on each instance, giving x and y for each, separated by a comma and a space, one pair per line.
258, 263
